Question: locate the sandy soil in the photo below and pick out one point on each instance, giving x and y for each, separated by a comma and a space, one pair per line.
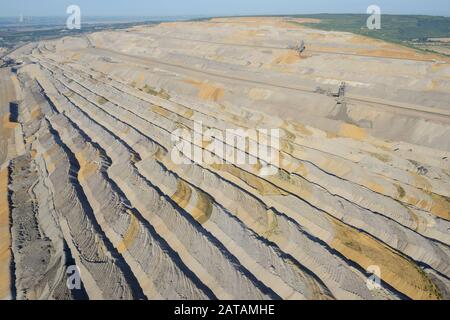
362, 181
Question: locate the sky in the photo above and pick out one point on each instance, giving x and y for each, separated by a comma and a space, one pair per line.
149, 8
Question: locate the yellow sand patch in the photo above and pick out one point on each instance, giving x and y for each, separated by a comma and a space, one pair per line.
50, 165
381, 156
360, 40
259, 94
289, 57
352, 131
392, 51
159, 110
207, 91
400, 191
440, 207
236, 119
301, 169
87, 168
272, 224
203, 208
306, 20
140, 79
205, 145
6, 123
47, 155
248, 33
188, 114
242, 35
300, 128
102, 100
383, 49
398, 271
6, 135
130, 236
69, 94
216, 57
7, 88
76, 56
331, 135
434, 85
293, 183
160, 154
287, 164
288, 135
374, 187
439, 66
5, 238
286, 147
422, 182
257, 166
423, 204
126, 130
417, 222
262, 186
183, 194
36, 112
163, 94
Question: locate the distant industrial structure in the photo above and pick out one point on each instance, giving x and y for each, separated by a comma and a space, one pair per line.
299, 47
339, 94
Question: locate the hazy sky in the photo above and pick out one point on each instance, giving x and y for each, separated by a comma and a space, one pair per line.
217, 7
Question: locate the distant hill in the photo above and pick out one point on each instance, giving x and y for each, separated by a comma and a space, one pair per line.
411, 30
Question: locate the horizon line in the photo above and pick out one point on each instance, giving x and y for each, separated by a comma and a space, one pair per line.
227, 15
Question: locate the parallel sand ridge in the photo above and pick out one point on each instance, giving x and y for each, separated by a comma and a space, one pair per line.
360, 183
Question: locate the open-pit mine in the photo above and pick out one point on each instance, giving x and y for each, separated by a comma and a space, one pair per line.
357, 208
